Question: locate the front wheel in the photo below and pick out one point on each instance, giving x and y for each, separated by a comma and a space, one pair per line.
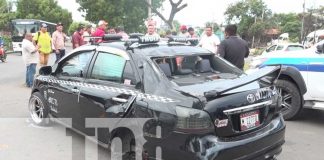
291, 99
38, 110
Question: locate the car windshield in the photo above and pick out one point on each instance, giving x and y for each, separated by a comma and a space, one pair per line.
295, 48
193, 69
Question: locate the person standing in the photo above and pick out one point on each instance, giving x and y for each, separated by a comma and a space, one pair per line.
233, 48
120, 31
58, 40
101, 30
77, 39
151, 31
87, 33
183, 32
192, 33
30, 58
209, 41
43, 40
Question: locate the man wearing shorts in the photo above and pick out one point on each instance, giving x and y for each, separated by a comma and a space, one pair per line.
43, 40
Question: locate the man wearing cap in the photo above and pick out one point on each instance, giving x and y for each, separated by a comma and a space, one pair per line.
101, 30
58, 40
183, 32
43, 40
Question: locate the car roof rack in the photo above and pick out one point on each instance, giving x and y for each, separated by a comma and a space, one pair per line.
188, 41
139, 40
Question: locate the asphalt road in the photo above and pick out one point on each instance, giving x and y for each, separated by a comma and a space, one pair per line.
19, 139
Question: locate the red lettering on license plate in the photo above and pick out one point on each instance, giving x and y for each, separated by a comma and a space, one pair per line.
249, 120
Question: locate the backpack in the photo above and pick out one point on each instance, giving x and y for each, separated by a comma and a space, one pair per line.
38, 33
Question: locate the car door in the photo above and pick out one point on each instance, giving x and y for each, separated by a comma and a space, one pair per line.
316, 76
64, 88
109, 90
271, 48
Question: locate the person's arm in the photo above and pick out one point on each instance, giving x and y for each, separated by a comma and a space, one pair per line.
247, 52
76, 41
30, 48
221, 49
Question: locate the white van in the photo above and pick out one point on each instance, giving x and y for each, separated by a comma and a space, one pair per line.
313, 38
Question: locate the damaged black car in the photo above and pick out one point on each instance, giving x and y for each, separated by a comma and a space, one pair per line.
199, 106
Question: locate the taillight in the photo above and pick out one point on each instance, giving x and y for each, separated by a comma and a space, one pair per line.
193, 121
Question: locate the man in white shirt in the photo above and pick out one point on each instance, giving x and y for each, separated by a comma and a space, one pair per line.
151, 31
30, 58
209, 41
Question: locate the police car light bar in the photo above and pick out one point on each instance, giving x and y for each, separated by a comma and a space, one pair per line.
148, 39
183, 40
112, 37
135, 35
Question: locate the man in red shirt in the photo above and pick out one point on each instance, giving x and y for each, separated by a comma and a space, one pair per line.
77, 39
101, 30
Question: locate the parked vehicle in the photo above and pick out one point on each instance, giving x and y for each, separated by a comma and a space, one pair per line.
313, 38
302, 71
21, 26
206, 107
284, 47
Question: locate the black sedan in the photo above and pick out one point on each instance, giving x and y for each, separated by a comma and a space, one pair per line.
196, 105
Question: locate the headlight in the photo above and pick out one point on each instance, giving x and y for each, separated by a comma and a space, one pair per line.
193, 121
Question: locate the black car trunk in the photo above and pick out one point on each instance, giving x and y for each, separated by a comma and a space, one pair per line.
240, 106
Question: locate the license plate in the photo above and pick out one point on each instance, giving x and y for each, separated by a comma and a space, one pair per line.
249, 120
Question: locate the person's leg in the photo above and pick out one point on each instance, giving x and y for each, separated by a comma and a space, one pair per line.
32, 71
28, 84
41, 59
58, 56
62, 53
46, 56
26, 79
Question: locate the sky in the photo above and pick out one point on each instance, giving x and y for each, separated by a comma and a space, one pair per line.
198, 12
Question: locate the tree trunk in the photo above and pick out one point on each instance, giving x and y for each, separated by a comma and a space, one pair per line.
175, 9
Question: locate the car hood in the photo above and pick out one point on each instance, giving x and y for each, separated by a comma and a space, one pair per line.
243, 83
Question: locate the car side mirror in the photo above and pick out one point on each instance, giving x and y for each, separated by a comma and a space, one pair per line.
46, 70
320, 48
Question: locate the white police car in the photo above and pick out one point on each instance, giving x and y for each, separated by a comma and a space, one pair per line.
310, 64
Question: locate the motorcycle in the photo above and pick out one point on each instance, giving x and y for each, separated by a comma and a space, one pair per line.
3, 54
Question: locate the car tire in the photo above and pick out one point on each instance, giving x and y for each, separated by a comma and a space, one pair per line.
38, 110
291, 99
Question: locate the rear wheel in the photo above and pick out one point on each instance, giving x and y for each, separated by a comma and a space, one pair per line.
291, 99
38, 110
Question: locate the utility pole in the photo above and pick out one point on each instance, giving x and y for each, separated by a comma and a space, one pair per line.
302, 27
149, 9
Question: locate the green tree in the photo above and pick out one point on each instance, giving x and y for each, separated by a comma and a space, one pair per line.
314, 20
287, 23
74, 25
129, 14
175, 8
6, 14
47, 10
251, 17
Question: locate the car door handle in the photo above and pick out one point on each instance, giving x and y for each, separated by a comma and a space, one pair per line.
121, 100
